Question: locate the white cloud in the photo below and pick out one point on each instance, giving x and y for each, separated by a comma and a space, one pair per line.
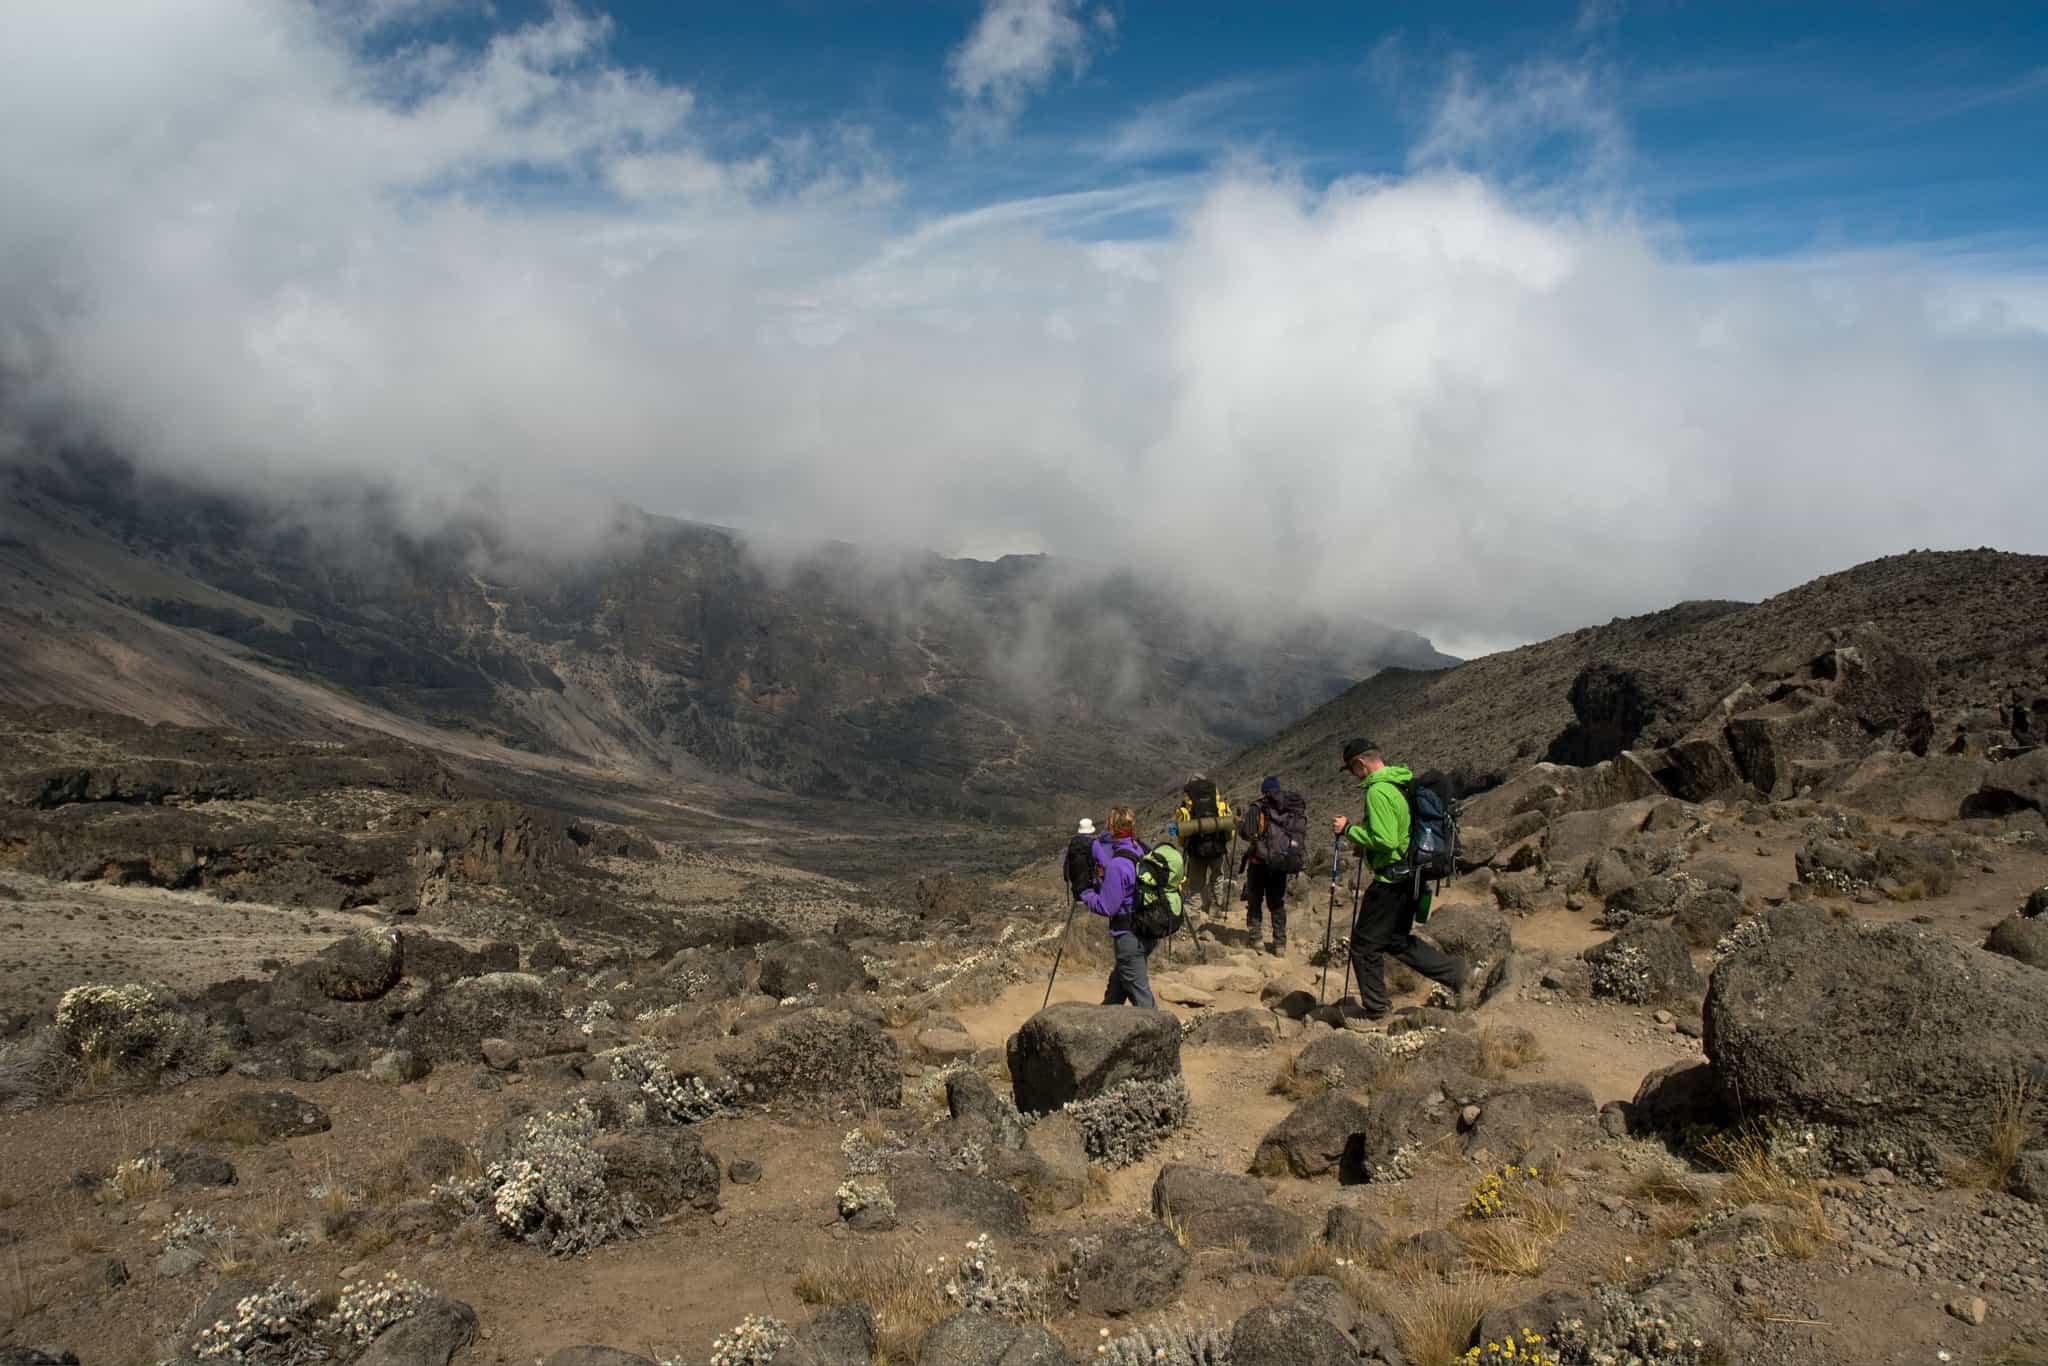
1495, 124
528, 279
1015, 50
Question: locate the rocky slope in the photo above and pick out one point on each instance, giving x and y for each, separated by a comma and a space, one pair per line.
1978, 618
983, 689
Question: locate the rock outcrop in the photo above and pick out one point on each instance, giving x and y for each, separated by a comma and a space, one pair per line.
1892, 1043
1072, 1052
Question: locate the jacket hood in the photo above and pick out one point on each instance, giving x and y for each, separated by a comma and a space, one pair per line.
1392, 773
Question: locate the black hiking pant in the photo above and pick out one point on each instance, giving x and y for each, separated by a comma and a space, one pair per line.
1265, 890
1385, 925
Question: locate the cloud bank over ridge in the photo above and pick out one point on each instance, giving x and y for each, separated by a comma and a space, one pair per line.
251, 242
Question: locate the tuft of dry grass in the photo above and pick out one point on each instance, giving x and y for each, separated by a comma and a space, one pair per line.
227, 1260
134, 1181
1435, 1320
28, 1292
1515, 1246
1503, 1049
1662, 1186
1545, 1218
1317, 1259
2011, 1127
1293, 1084
903, 1294
1759, 1178
1802, 1239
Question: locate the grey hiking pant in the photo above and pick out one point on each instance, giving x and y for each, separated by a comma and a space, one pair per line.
1205, 880
1130, 977
1385, 925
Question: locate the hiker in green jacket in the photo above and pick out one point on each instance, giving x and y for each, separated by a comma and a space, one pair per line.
1384, 922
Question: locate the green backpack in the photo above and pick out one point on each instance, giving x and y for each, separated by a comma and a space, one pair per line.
1156, 879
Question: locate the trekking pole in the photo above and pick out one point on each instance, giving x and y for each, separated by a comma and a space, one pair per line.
1329, 916
1060, 952
1356, 879
1229, 870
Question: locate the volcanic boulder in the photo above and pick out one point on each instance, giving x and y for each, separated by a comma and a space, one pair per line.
1073, 1051
1894, 1043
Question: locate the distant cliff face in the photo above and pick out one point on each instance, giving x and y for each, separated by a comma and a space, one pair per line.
951, 686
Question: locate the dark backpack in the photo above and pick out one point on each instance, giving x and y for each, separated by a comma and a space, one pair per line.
1080, 863
1202, 798
1283, 837
1432, 833
1156, 909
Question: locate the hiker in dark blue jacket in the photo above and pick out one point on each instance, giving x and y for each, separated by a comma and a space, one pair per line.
1130, 977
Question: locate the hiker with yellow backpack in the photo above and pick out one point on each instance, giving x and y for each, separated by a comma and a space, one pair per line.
1202, 829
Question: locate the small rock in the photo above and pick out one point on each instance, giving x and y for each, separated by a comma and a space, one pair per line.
945, 1045
1468, 1116
743, 1171
1613, 1204
396, 1066
1181, 994
1880, 1176
500, 1055
1970, 1310
1614, 1120
1664, 1017
179, 1261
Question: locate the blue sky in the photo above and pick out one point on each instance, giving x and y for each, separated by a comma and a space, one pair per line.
1753, 128
1604, 305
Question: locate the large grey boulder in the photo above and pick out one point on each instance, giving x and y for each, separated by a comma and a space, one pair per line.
1073, 1051
1893, 1043
1480, 937
1264, 1229
1646, 961
1125, 1268
2015, 785
666, 1168
1288, 1334
1534, 1122
843, 1335
1180, 1190
264, 1116
923, 1190
359, 966
1318, 1137
429, 1336
971, 1339
2020, 939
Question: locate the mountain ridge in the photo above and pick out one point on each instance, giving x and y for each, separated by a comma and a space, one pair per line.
991, 689
1979, 617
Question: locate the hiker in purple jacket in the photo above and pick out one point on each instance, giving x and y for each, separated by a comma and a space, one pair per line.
1130, 979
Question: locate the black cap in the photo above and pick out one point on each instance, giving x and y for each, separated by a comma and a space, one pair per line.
1354, 748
